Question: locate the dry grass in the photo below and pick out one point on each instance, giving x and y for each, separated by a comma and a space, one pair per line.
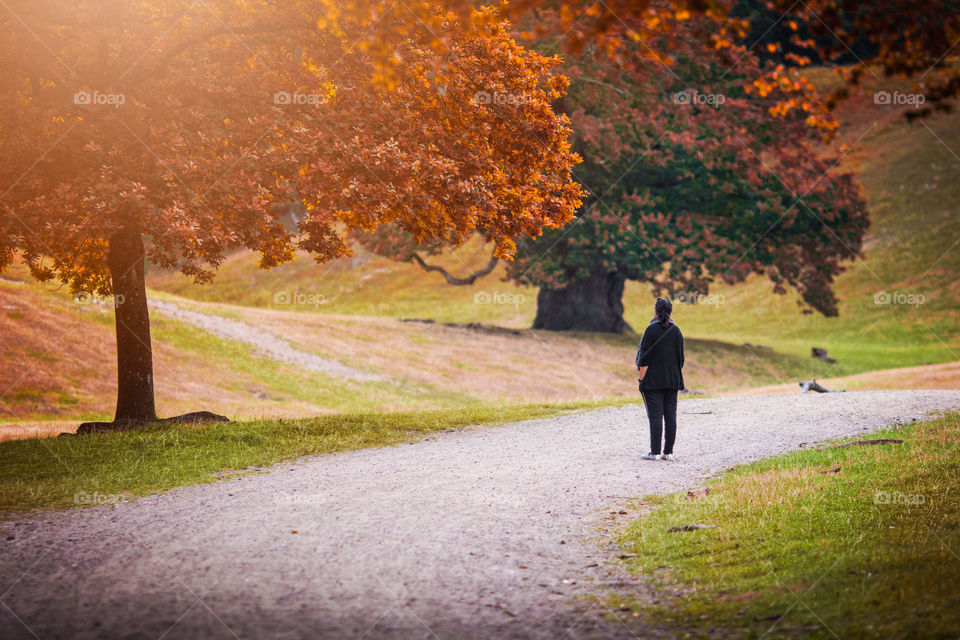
505, 365
60, 362
63, 365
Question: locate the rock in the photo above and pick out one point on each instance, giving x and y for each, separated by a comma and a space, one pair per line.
813, 385
821, 354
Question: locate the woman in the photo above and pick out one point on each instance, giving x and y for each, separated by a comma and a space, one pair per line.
660, 370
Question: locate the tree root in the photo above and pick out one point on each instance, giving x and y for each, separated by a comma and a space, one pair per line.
194, 417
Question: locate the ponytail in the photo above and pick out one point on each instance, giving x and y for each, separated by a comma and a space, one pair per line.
663, 308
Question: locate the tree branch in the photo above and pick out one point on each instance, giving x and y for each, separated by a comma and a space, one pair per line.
453, 279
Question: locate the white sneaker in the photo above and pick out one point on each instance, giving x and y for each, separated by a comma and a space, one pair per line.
667, 456
651, 456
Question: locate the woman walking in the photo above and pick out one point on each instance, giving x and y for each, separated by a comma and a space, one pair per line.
660, 370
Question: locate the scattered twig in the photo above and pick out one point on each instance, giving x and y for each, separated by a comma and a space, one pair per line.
692, 527
865, 443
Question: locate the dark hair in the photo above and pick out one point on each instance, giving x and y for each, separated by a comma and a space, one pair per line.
663, 309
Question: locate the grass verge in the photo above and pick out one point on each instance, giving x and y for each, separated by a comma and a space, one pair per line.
54, 472
803, 550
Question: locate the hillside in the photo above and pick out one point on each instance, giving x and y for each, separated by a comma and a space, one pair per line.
62, 367
909, 174
64, 370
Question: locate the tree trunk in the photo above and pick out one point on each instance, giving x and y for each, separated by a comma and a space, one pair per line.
134, 352
590, 304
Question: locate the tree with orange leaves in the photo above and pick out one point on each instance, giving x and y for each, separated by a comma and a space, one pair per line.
171, 130
701, 164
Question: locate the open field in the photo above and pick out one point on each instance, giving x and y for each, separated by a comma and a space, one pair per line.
66, 370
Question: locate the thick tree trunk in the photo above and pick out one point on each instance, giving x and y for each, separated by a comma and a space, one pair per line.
591, 304
134, 352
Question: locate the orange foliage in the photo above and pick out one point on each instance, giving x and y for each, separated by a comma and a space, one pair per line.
190, 122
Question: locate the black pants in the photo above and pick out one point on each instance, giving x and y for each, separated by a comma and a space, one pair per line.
662, 412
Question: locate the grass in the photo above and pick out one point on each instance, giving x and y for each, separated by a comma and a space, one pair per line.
869, 551
38, 473
291, 382
62, 364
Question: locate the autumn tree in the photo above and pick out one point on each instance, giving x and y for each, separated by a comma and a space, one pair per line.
898, 38
168, 130
707, 167
701, 164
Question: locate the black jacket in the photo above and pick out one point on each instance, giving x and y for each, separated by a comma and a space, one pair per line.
661, 349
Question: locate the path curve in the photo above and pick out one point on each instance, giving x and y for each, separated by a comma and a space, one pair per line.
264, 341
482, 533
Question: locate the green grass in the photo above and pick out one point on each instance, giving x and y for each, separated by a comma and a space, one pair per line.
53, 472
870, 551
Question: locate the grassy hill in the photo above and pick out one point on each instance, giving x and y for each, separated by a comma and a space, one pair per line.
61, 363
909, 174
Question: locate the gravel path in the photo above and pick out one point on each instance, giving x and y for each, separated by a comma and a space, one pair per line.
481, 533
267, 343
